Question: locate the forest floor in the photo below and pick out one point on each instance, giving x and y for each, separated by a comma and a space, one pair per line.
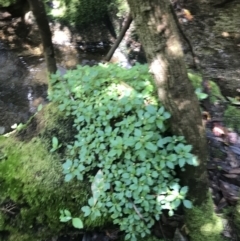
223, 164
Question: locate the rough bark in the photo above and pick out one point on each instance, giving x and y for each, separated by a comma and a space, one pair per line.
39, 12
120, 37
157, 31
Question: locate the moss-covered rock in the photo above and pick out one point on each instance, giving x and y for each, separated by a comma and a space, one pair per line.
32, 187
231, 117
208, 222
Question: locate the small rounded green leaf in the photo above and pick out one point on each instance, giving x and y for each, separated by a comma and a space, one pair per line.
67, 212
138, 145
151, 109
86, 210
181, 162
161, 110
187, 148
170, 164
54, 141
187, 204
175, 203
184, 190
65, 219
166, 115
77, 223
68, 177
170, 213
39, 108
150, 146
159, 123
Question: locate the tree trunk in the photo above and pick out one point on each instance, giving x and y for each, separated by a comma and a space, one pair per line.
159, 36
39, 13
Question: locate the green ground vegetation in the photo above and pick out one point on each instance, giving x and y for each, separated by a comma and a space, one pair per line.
32, 185
236, 219
123, 144
211, 225
196, 80
107, 135
231, 117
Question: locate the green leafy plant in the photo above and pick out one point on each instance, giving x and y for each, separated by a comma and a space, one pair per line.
231, 115
66, 216
122, 145
200, 94
233, 101
197, 82
55, 144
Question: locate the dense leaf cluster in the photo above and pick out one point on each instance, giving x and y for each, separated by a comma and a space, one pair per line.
122, 145
78, 12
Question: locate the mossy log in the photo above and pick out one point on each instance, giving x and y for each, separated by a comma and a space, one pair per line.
32, 187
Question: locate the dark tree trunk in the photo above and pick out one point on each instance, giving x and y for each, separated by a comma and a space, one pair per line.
120, 37
159, 36
39, 12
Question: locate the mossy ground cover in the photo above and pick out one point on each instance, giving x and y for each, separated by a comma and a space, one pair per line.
210, 224
237, 219
32, 183
32, 187
232, 117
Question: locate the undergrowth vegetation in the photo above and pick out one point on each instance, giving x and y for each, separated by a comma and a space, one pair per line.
79, 12
231, 117
33, 192
122, 145
197, 82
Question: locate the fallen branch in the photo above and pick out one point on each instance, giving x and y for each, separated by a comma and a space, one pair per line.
120, 37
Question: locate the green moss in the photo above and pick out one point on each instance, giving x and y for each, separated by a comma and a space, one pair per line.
237, 219
31, 180
215, 91
203, 224
231, 117
196, 80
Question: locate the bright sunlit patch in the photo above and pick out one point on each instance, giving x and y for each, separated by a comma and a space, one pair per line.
225, 34
14, 126
158, 68
56, 3
210, 228
105, 65
183, 104
59, 9
61, 36
174, 48
58, 12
